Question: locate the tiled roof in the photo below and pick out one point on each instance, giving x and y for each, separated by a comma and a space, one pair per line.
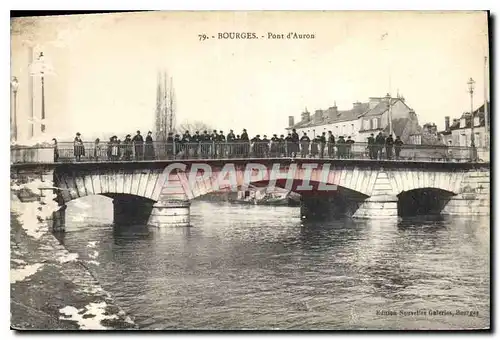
479, 112
380, 108
333, 117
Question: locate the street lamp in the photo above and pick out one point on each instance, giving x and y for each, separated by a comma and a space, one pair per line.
13, 122
389, 114
471, 84
42, 73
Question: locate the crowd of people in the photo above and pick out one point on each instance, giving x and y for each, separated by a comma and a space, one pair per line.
218, 145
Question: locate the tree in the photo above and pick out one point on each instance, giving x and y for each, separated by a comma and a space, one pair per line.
193, 126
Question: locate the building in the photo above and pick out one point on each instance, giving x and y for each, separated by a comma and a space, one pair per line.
340, 122
459, 132
362, 120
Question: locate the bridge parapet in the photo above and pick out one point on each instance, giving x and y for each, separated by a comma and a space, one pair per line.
157, 151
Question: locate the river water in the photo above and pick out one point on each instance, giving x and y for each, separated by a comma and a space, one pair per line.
258, 267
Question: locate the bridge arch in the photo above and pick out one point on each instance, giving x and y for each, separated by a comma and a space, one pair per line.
143, 184
423, 201
405, 180
347, 178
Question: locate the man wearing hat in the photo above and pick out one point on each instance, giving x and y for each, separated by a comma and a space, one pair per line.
230, 139
149, 150
127, 146
78, 148
138, 146
274, 145
245, 142
221, 140
265, 147
281, 146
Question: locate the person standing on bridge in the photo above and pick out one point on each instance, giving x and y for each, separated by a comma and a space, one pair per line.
214, 146
138, 146
205, 144
221, 139
379, 142
304, 145
331, 145
230, 139
265, 147
389, 143
281, 146
372, 148
186, 144
149, 152
341, 147
314, 147
127, 146
274, 145
245, 143
78, 148
115, 155
97, 149
195, 143
295, 143
177, 146
349, 144
322, 143
398, 144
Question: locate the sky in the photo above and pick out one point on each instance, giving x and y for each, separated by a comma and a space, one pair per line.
105, 67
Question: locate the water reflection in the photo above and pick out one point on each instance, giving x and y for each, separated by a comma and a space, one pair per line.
261, 267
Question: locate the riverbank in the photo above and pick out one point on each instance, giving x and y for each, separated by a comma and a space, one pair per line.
50, 287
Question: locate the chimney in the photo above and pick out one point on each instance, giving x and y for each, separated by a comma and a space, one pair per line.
325, 115
290, 121
318, 116
374, 101
447, 123
333, 113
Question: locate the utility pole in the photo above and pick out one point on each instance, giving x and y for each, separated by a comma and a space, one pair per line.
31, 130
389, 113
486, 126
171, 105
15, 85
471, 83
43, 99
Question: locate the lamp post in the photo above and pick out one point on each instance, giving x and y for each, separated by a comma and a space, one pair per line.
42, 78
13, 122
471, 84
389, 114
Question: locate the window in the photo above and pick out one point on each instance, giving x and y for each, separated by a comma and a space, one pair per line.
463, 140
462, 123
478, 140
476, 121
344, 131
374, 123
352, 128
366, 124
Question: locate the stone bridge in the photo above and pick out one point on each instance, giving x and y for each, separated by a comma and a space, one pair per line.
159, 192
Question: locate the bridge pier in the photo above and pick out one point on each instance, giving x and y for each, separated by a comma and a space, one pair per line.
170, 214
378, 207
473, 198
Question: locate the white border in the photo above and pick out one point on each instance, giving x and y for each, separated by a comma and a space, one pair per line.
184, 5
